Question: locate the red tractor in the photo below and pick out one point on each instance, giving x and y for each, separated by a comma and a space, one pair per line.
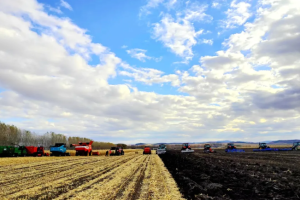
83, 148
208, 149
147, 150
36, 151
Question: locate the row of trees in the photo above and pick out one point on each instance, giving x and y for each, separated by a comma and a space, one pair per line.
11, 135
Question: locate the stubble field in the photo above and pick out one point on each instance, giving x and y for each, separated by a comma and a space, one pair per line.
133, 176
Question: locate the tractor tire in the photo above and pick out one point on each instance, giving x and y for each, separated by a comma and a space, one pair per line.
123, 153
90, 153
143, 152
87, 153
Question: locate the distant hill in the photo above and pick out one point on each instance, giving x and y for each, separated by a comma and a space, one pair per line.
284, 141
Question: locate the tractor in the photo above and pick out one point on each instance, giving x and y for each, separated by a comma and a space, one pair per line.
231, 148
207, 149
59, 149
83, 148
296, 146
116, 151
147, 150
162, 149
186, 148
263, 146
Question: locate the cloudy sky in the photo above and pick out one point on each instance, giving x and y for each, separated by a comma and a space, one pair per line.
152, 70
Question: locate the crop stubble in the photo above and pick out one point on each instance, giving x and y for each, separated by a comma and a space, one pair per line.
133, 176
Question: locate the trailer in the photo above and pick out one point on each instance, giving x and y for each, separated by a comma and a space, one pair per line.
59, 149
36, 151
83, 148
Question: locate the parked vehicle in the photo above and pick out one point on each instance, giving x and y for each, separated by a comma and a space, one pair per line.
12, 151
83, 148
147, 150
116, 151
59, 149
36, 151
162, 149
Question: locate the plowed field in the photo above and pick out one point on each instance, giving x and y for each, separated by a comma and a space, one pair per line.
133, 176
268, 175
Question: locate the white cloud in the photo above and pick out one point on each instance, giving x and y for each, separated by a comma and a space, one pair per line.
124, 47
179, 34
206, 41
149, 76
65, 5
145, 10
140, 54
237, 14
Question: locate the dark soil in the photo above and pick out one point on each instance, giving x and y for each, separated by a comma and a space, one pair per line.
235, 175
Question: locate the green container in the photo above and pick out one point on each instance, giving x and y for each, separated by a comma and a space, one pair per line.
11, 151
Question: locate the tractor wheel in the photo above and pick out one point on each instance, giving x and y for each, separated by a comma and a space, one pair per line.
90, 153
143, 152
87, 153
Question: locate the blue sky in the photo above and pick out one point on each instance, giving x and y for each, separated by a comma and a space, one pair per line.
151, 70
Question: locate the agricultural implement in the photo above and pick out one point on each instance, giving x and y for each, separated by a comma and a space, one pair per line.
116, 151
12, 151
208, 149
186, 148
36, 151
296, 147
83, 148
264, 147
162, 149
232, 149
147, 150
59, 149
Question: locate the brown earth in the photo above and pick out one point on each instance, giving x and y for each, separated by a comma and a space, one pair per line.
249, 175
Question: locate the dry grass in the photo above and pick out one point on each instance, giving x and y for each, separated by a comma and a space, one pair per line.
133, 176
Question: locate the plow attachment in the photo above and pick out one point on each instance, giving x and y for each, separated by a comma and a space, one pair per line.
286, 149
267, 149
234, 150
161, 151
187, 151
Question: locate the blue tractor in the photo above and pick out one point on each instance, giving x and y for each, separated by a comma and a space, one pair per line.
232, 149
59, 149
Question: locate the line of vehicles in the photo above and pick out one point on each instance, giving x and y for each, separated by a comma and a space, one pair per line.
231, 148
58, 149
85, 149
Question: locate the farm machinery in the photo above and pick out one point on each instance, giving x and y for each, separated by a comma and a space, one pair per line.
116, 151
162, 149
83, 148
147, 150
59, 149
36, 151
186, 148
295, 147
12, 151
208, 149
232, 149
264, 147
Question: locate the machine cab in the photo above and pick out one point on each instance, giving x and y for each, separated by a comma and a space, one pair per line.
207, 146
162, 146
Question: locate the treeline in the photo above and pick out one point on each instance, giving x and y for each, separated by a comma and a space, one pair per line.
12, 135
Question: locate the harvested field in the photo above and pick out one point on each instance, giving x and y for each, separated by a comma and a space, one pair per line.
133, 176
262, 175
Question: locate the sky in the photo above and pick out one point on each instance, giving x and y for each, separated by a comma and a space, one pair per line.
152, 70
